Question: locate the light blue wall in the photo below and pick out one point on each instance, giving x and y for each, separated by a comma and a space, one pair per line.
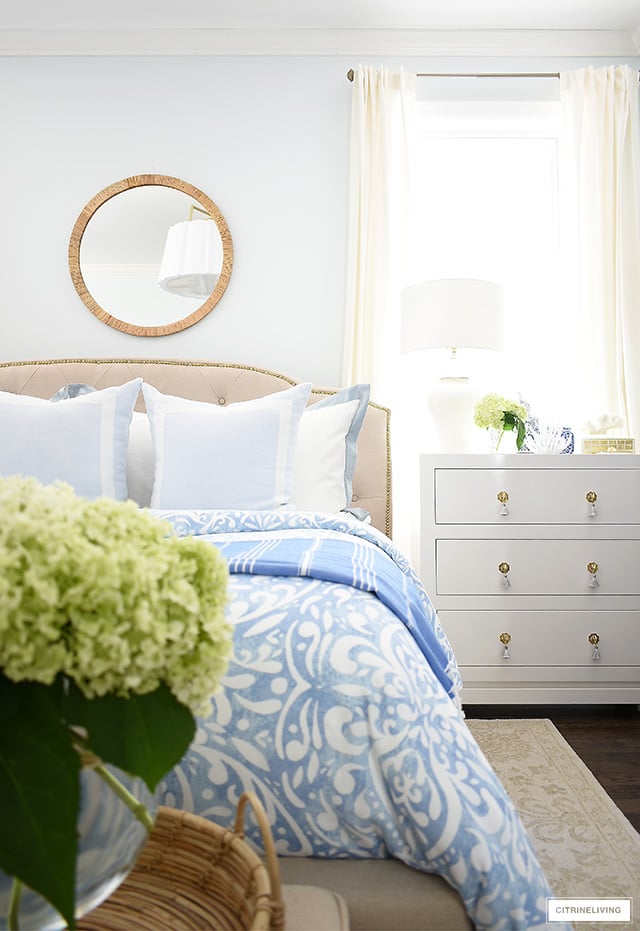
267, 138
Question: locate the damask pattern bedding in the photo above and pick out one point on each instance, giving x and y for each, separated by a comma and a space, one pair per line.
341, 710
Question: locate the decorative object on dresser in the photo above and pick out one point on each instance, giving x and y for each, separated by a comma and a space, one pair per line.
546, 438
531, 563
608, 444
598, 440
453, 314
500, 416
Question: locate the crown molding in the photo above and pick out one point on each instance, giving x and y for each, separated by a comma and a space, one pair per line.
302, 42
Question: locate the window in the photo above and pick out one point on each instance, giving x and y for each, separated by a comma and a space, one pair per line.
485, 204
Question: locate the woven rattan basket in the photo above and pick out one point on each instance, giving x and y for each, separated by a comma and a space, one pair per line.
193, 875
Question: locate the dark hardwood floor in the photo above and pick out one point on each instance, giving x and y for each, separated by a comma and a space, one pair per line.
605, 737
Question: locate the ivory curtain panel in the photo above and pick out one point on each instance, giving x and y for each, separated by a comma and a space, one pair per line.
381, 123
602, 167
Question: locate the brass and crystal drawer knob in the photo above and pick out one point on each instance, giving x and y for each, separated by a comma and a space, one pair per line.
592, 497
594, 640
503, 497
505, 640
593, 569
504, 568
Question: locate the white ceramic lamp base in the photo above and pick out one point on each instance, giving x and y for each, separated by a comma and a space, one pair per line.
451, 404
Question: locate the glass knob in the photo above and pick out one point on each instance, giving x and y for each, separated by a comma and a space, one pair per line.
594, 640
503, 497
505, 640
592, 569
592, 497
504, 568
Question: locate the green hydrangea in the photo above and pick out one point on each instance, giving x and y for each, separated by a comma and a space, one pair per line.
108, 595
491, 410
499, 413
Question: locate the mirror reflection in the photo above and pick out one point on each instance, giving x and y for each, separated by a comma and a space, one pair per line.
150, 255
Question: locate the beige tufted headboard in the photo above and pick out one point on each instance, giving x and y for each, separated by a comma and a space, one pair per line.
221, 383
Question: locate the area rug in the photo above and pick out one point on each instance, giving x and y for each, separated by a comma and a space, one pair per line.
585, 844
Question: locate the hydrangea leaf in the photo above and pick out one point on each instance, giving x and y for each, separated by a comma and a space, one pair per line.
513, 422
145, 735
39, 794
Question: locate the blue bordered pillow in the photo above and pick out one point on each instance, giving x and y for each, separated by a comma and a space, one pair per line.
81, 440
238, 456
327, 450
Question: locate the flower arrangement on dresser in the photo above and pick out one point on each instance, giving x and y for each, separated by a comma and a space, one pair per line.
112, 636
495, 412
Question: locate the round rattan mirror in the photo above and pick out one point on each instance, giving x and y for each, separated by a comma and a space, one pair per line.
116, 249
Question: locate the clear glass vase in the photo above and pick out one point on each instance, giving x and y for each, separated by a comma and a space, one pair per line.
503, 441
110, 839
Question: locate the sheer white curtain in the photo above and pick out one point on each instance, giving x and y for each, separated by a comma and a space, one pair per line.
381, 124
602, 152
381, 128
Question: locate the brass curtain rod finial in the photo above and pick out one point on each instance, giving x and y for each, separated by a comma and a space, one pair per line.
350, 74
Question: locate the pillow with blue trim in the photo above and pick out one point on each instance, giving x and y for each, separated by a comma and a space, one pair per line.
236, 456
327, 450
80, 440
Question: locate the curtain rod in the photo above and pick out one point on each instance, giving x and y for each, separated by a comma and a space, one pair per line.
486, 74
482, 74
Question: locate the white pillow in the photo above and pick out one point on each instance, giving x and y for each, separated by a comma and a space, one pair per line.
140, 460
320, 458
236, 456
80, 440
327, 450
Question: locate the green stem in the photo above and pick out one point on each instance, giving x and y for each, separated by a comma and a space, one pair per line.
132, 803
14, 905
499, 440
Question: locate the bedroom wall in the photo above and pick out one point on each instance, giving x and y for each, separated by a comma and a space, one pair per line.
266, 137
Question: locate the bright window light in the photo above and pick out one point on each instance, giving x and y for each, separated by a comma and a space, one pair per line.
485, 204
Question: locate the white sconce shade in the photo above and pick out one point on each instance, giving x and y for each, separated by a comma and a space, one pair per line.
192, 259
453, 313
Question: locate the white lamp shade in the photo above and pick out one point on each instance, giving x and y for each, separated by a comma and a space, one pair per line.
192, 259
453, 313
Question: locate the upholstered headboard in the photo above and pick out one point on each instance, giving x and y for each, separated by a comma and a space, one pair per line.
219, 383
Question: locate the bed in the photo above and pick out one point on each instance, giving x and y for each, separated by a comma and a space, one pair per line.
341, 707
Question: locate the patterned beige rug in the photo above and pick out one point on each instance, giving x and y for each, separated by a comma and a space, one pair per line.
585, 844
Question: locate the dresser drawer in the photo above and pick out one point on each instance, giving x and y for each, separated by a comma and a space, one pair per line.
537, 496
545, 639
537, 567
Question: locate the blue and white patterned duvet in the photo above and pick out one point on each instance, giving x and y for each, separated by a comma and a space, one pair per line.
340, 710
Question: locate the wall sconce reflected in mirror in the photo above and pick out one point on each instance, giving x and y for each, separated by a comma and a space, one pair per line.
192, 257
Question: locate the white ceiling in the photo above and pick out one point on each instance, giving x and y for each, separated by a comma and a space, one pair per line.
591, 27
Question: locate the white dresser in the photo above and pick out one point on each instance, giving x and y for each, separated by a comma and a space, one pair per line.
533, 564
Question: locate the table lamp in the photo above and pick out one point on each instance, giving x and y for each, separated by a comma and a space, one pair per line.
455, 314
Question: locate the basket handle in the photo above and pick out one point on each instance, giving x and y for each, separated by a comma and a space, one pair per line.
267, 838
